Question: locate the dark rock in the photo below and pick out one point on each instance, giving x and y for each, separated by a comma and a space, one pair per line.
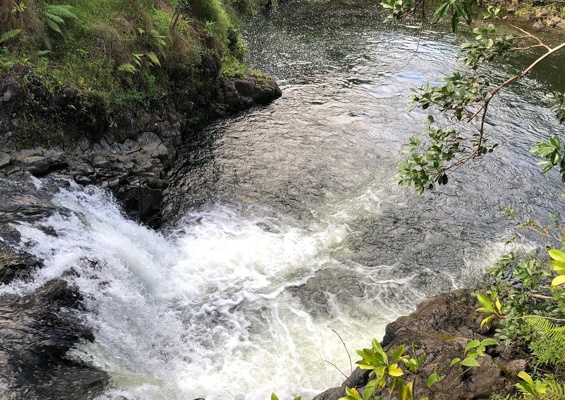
232, 40
15, 265
83, 180
241, 94
11, 96
5, 159
100, 161
21, 70
141, 202
153, 145
440, 328
36, 165
21, 202
36, 332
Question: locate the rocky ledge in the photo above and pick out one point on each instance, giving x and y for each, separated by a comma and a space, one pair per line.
73, 136
62, 136
440, 328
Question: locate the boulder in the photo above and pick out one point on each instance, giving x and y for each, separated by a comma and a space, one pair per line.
440, 328
11, 92
5, 159
36, 332
242, 93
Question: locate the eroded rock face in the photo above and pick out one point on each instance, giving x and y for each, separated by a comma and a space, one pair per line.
240, 94
36, 331
129, 156
441, 327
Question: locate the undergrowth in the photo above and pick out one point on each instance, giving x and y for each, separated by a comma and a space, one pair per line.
123, 52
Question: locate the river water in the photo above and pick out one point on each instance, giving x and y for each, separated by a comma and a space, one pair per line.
294, 246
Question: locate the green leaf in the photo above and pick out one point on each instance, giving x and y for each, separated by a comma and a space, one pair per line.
369, 389
526, 377
490, 342
274, 396
485, 301
395, 371
472, 344
559, 280
557, 265
486, 321
470, 362
397, 354
557, 255
455, 361
433, 378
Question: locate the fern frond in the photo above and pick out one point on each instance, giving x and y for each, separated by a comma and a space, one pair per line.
557, 388
127, 67
63, 11
53, 26
154, 59
9, 35
55, 18
548, 344
559, 296
551, 395
546, 328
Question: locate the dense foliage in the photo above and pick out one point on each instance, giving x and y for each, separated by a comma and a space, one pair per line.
123, 52
524, 299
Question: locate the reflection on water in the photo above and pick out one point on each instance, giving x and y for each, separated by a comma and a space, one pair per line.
290, 225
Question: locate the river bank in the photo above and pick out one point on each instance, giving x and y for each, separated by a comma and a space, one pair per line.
383, 266
130, 158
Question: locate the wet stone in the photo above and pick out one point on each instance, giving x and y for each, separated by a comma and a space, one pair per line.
83, 180
5, 159
84, 169
36, 165
100, 162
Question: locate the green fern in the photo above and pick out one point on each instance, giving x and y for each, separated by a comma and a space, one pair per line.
548, 344
555, 391
9, 35
56, 15
153, 59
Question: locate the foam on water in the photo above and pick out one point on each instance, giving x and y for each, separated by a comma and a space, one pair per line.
203, 310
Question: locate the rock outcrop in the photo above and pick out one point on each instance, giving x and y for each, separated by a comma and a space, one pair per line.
36, 332
74, 136
61, 136
441, 327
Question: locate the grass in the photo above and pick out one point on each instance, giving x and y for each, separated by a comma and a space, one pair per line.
122, 52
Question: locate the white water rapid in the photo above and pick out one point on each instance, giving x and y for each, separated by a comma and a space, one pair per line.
204, 311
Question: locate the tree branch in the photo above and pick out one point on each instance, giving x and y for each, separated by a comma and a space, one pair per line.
528, 34
513, 78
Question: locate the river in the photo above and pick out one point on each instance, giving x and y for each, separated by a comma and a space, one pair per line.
294, 245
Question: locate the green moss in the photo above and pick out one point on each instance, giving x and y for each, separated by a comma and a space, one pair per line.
124, 51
